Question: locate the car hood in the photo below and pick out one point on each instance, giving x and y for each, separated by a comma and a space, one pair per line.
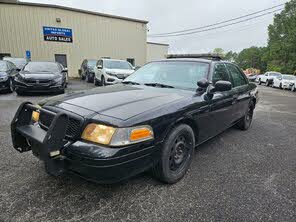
120, 71
39, 76
118, 101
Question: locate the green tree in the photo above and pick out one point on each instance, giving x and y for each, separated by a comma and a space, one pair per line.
281, 53
219, 51
253, 57
231, 56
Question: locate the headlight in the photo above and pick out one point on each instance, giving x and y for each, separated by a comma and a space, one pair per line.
35, 116
19, 78
116, 136
58, 80
3, 79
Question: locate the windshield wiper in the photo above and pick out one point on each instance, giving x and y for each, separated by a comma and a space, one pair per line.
130, 82
155, 84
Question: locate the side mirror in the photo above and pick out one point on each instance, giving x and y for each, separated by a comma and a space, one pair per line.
65, 70
204, 83
99, 66
222, 86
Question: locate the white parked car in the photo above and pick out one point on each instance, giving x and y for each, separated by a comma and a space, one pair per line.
284, 81
267, 78
111, 71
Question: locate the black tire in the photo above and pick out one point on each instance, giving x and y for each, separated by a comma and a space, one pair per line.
10, 87
82, 77
176, 155
293, 88
267, 83
246, 121
103, 82
281, 86
96, 82
87, 78
260, 82
19, 93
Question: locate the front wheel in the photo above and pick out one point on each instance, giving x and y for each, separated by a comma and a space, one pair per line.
176, 155
10, 87
293, 88
260, 82
103, 82
245, 122
96, 82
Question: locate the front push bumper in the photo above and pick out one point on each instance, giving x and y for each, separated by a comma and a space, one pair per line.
91, 161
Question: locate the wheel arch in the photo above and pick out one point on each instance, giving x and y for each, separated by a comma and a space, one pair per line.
188, 121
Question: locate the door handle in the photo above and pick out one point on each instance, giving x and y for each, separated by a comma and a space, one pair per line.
234, 99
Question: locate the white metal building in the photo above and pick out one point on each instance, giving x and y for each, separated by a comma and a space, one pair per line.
156, 51
68, 35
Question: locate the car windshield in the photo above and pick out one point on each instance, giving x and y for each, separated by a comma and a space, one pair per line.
91, 63
113, 64
275, 74
289, 77
42, 67
3, 66
183, 75
18, 62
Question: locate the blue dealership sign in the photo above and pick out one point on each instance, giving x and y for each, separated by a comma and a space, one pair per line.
57, 34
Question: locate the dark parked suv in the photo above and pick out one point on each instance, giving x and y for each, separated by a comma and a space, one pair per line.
87, 70
153, 120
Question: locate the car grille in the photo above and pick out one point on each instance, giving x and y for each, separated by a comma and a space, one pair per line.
120, 76
73, 128
41, 81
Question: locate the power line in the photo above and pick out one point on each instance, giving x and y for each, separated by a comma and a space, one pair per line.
215, 24
217, 27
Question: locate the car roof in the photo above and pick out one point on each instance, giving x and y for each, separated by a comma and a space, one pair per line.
186, 60
114, 60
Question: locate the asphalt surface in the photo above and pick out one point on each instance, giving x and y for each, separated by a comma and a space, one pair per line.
237, 176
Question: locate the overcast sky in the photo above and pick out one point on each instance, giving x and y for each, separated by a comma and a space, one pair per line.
171, 15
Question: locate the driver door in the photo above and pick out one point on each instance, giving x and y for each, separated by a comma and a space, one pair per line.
221, 105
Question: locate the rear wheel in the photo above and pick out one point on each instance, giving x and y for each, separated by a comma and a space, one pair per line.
176, 155
245, 122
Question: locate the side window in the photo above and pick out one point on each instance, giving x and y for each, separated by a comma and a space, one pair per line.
237, 76
220, 73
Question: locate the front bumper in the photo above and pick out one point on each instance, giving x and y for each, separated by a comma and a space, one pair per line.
24, 87
91, 161
4, 85
287, 85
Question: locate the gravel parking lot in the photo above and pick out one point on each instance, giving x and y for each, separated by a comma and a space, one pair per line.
237, 176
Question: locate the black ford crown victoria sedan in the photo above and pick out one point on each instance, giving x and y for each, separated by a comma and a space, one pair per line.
152, 120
